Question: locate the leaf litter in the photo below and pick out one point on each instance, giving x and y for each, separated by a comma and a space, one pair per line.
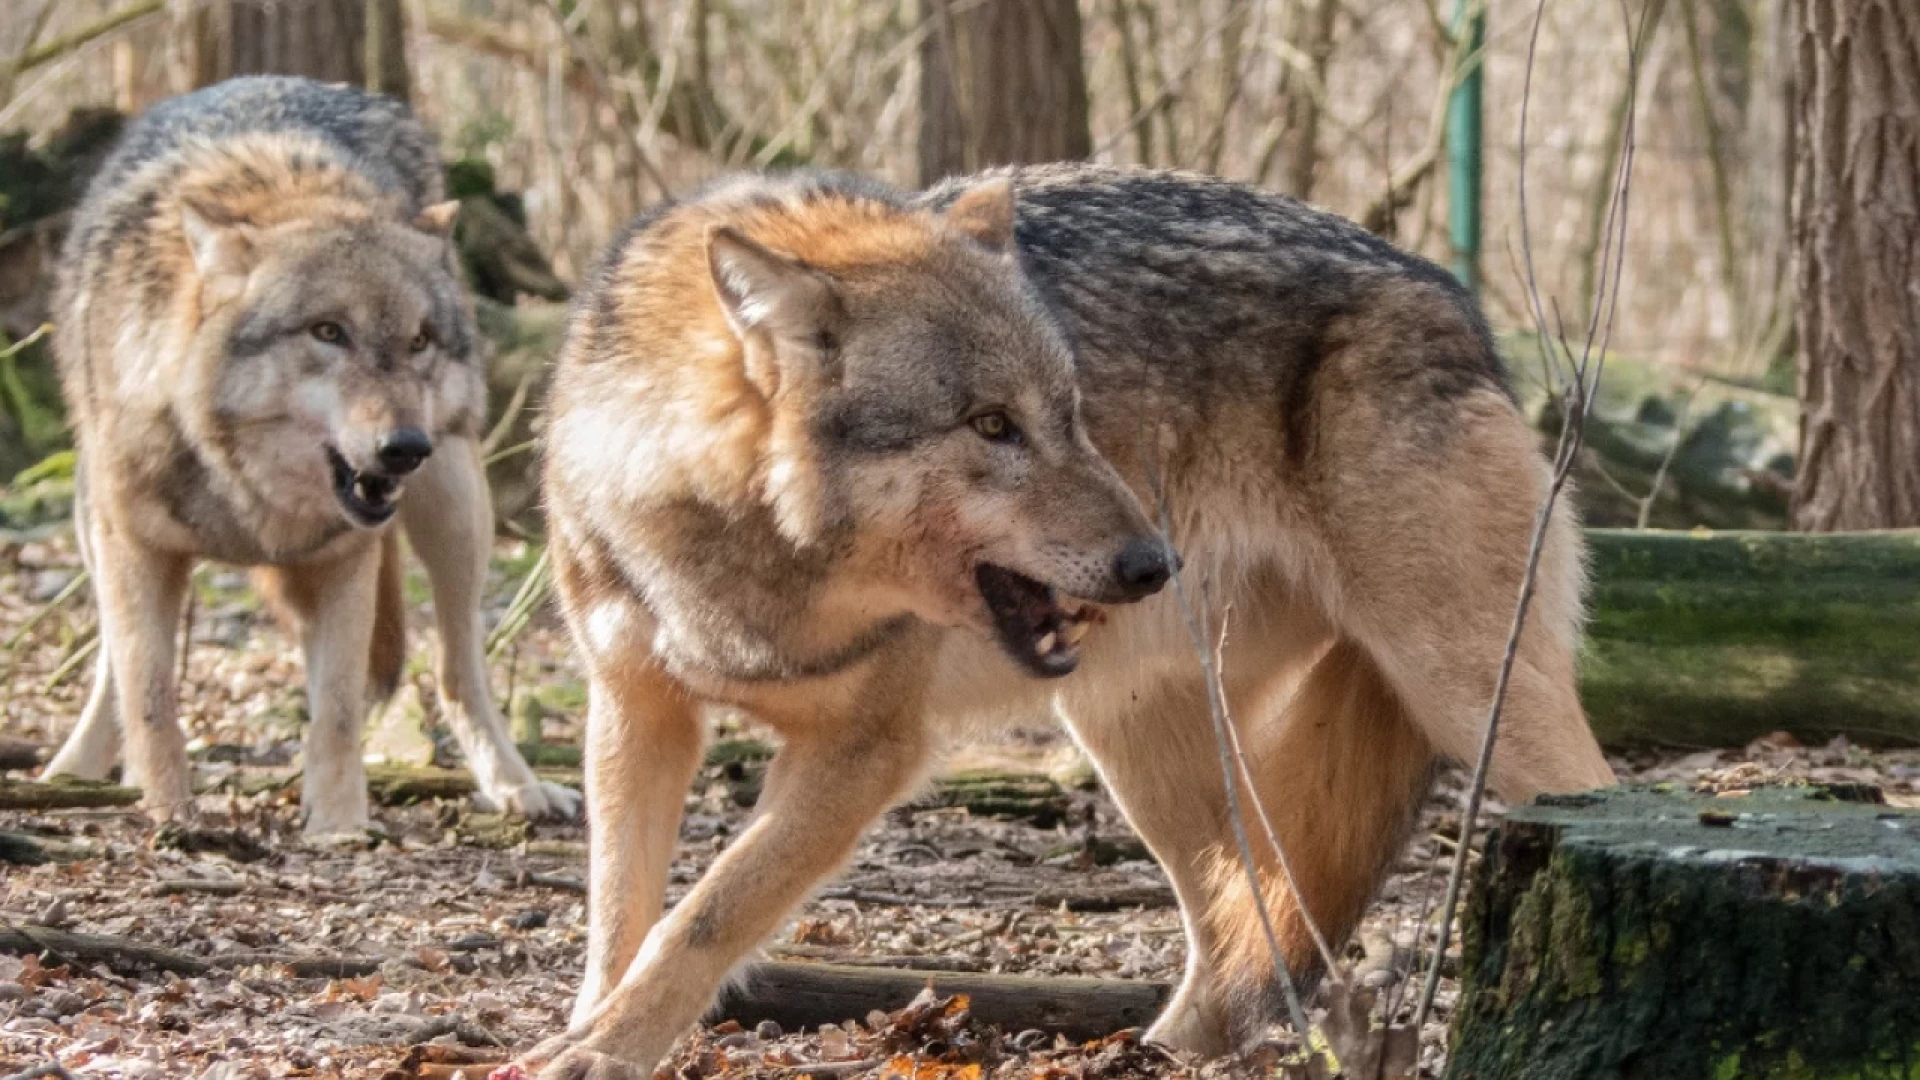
441, 941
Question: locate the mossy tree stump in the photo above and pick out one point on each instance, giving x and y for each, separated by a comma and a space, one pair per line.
1649, 932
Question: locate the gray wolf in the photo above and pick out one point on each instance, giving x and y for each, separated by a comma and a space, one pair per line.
263, 342
870, 466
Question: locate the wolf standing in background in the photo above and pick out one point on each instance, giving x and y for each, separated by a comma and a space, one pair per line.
263, 338
866, 465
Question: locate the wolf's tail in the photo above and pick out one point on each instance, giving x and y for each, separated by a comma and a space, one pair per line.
387, 658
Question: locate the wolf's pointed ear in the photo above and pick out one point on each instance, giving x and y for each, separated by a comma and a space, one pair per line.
437, 220
222, 247
984, 213
765, 290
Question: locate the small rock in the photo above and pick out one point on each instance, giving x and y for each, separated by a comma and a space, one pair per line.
530, 919
768, 1030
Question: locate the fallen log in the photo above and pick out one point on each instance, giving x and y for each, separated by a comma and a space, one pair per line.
18, 754
741, 765
63, 793
798, 995
1715, 639
22, 850
1647, 931
129, 957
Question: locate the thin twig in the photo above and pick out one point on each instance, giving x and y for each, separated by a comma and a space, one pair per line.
65, 594
1260, 811
1217, 712
74, 659
1579, 402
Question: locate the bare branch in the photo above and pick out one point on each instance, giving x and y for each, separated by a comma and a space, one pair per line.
1579, 402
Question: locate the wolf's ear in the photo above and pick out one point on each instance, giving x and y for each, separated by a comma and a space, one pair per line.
984, 213
765, 290
437, 220
222, 247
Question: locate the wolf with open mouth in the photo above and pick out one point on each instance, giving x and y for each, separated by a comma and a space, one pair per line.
269, 356
867, 464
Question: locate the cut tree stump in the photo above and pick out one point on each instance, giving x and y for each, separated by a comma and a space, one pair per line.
1649, 932
807, 995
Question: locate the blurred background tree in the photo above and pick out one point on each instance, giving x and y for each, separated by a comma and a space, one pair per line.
567, 117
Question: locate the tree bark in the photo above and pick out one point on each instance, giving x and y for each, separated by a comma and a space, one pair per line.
1639, 932
1856, 229
361, 42
1001, 82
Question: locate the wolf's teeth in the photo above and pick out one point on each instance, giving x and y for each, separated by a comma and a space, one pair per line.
1045, 644
1073, 633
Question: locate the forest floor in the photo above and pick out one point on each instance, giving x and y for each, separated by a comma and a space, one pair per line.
476, 930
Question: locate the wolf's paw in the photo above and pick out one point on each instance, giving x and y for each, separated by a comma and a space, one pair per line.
563, 1057
541, 800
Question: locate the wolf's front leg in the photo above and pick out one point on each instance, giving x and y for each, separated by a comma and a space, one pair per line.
448, 516
644, 737
829, 782
335, 600
140, 592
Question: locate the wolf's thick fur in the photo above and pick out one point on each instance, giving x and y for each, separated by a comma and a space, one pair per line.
261, 332
780, 477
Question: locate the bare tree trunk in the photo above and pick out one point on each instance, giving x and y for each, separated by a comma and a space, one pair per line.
1856, 228
1302, 156
1001, 81
362, 42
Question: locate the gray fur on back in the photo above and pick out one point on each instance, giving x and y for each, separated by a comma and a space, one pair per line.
378, 136
1217, 286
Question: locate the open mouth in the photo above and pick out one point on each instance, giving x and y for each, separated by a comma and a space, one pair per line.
368, 498
1035, 627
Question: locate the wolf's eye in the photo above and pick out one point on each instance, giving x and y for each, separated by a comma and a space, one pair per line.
329, 332
420, 341
995, 427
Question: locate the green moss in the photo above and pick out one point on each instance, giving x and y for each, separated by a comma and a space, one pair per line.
1616, 936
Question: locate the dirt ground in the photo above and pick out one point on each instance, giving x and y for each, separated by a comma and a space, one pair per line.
478, 930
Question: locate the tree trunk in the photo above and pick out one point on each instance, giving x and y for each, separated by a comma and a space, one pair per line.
1000, 82
1857, 251
362, 42
1640, 933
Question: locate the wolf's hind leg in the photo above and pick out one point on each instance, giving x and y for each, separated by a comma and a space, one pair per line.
141, 594
94, 743
644, 737
448, 516
1435, 608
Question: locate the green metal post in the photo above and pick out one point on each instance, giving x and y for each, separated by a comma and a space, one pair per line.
1464, 109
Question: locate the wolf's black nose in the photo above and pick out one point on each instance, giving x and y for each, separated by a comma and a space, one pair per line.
1144, 565
403, 449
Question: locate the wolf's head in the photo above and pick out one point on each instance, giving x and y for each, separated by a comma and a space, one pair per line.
334, 343
925, 413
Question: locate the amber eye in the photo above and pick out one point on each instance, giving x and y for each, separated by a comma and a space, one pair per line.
329, 332
420, 341
995, 427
